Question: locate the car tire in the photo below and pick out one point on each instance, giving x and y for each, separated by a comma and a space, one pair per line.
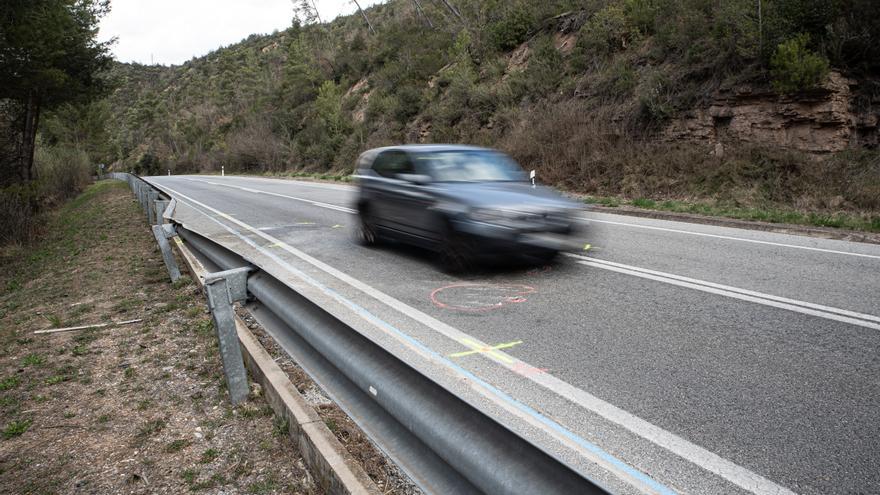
366, 233
456, 253
546, 255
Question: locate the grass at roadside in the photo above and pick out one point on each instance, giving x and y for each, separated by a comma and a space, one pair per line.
139, 408
840, 220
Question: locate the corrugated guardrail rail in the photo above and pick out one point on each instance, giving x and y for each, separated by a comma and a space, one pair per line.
446, 445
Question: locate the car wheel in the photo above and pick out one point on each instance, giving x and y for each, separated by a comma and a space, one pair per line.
456, 252
546, 255
366, 233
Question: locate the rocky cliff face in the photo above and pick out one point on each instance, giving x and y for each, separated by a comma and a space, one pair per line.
820, 122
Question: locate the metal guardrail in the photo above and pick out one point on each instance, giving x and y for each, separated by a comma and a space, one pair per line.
442, 442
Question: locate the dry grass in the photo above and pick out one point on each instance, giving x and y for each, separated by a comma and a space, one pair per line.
136, 409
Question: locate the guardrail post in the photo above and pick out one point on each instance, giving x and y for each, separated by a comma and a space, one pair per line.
224, 289
159, 209
162, 233
152, 196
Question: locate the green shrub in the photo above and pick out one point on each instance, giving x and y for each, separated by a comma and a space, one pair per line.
641, 14
605, 33
655, 97
148, 164
795, 68
512, 31
19, 223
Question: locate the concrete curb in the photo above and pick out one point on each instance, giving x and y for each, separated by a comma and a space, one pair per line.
335, 469
780, 228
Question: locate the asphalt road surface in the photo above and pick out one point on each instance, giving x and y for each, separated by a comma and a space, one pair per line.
688, 358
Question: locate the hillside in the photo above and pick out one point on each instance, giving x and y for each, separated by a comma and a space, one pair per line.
665, 99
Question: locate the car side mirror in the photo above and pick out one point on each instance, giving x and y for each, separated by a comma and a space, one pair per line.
419, 179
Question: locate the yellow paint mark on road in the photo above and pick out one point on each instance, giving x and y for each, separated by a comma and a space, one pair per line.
275, 245
304, 223
491, 351
337, 226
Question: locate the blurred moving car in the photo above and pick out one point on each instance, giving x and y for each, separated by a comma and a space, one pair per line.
462, 202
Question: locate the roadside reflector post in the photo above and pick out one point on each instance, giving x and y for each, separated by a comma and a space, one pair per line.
162, 233
224, 289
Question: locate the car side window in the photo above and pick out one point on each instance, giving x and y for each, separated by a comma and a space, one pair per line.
391, 163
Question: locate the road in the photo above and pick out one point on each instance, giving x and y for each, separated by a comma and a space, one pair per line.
693, 358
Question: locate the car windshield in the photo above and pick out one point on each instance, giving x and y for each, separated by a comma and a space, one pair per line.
469, 166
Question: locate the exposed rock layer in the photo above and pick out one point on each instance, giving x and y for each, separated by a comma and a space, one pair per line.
820, 121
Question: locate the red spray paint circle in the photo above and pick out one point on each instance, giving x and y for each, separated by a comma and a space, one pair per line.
479, 297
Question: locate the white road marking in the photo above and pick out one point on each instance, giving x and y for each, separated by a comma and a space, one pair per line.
277, 227
319, 185
257, 191
827, 312
743, 294
643, 483
731, 238
609, 222
725, 469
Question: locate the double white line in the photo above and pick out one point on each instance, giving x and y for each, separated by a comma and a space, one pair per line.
837, 314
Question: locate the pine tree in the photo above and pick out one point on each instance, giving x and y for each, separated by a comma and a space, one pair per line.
49, 56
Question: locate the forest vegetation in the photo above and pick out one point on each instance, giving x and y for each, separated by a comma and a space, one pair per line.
581, 91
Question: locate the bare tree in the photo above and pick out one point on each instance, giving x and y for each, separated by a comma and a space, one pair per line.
306, 12
453, 9
317, 14
422, 13
364, 14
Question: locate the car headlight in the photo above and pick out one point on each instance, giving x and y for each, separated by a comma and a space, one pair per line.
487, 215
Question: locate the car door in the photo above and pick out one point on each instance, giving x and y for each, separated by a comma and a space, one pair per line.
387, 187
413, 200
402, 205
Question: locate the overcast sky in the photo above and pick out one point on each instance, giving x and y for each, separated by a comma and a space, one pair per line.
174, 31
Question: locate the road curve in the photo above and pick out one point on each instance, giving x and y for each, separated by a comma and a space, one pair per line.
702, 359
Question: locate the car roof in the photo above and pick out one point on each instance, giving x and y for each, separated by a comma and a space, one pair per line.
431, 147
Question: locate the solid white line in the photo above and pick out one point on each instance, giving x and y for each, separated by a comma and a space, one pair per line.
734, 473
319, 185
279, 195
803, 307
731, 238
